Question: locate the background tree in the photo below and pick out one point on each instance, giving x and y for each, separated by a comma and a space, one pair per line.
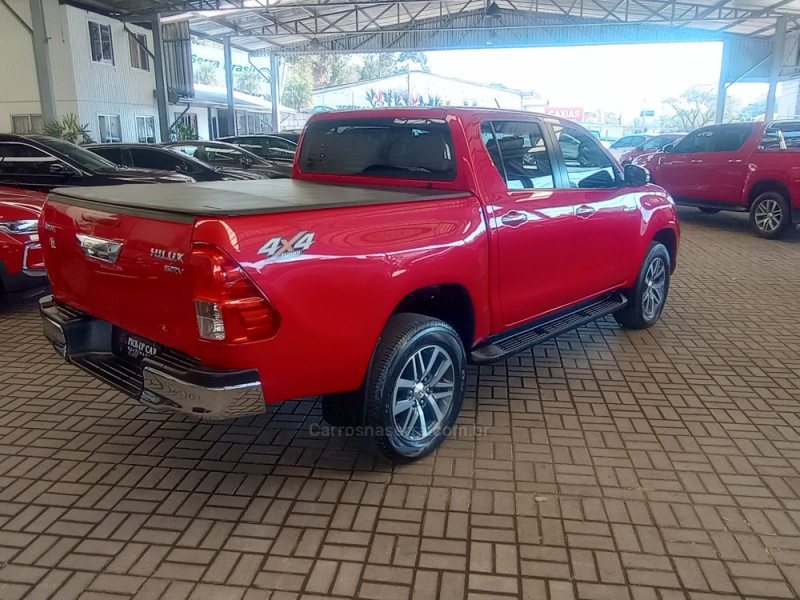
205, 73
251, 81
694, 108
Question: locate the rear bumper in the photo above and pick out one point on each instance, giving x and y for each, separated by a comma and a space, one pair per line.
170, 381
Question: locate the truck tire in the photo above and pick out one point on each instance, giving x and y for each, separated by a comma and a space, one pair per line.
770, 215
414, 388
646, 299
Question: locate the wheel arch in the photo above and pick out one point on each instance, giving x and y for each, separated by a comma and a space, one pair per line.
449, 302
669, 238
767, 185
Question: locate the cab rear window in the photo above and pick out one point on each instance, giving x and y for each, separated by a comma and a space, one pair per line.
400, 148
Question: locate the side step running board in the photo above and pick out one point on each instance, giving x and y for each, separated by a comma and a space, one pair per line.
504, 345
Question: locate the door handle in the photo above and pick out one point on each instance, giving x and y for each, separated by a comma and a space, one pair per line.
694, 162
514, 218
584, 212
735, 160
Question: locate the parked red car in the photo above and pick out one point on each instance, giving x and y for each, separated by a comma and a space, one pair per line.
409, 242
650, 145
743, 167
21, 264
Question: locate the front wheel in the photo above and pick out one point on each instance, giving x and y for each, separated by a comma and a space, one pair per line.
647, 298
415, 387
770, 215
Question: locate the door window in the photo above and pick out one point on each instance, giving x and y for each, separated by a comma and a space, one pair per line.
629, 141
696, 142
586, 163
221, 156
730, 138
146, 158
112, 154
21, 159
519, 153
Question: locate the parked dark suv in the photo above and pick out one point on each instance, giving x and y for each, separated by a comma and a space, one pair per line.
38, 162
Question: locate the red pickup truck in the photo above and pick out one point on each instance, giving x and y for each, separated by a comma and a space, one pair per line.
746, 167
408, 242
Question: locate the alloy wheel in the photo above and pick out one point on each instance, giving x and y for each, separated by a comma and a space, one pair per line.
768, 215
655, 283
423, 393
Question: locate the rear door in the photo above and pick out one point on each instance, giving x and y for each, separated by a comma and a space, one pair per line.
718, 175
607, 214
533, 222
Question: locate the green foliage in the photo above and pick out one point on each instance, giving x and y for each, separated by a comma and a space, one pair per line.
251, 81
205, 73
70, 129
182, 131
697, 107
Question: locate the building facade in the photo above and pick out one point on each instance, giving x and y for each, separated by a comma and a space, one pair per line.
101, 71
418, 88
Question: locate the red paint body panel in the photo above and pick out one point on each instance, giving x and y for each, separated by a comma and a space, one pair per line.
20, 253
334, 299
726, 177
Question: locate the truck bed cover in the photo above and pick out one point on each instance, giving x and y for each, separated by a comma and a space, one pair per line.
233, 198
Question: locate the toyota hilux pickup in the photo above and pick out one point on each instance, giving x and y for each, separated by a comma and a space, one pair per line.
408, 243
743, 167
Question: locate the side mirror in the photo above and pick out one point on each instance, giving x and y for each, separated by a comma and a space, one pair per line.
636, 176
59, 168
668, 148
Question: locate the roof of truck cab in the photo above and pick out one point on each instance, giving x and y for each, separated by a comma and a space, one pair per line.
235, 198
430, 112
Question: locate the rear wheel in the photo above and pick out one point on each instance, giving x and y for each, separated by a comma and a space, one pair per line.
647, 298
770, 215
415, 387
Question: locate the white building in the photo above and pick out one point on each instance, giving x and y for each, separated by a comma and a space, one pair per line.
418, 88
99, 71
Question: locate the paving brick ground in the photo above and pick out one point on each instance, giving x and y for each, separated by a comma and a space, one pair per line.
605, 465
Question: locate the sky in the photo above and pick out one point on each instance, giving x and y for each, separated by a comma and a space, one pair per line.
624, 79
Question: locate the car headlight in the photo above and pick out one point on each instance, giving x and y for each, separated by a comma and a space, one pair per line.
23, 227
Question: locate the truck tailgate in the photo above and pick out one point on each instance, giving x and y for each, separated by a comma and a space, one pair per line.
128, 270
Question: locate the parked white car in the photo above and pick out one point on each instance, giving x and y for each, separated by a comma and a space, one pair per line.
625, 143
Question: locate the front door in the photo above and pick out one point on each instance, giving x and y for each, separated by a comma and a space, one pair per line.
532, 222
607, 214
23, 165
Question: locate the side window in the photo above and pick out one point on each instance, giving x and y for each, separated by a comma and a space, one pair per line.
586, 163
702, 140
519, 153
21, 159
731, 139
190, 150
112, 154
223, 156
255, 145
279, 148
149, 159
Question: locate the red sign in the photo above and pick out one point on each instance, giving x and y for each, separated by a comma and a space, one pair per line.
572, 113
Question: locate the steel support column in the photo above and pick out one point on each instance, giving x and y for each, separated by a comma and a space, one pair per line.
274, 93
228, 67
41, 58
722, 86
161, 84
777, 62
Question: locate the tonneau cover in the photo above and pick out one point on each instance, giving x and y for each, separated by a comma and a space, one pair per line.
232, 198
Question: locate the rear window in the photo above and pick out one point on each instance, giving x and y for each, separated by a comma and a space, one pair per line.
380, 147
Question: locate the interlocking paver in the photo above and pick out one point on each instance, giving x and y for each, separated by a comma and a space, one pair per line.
605, 464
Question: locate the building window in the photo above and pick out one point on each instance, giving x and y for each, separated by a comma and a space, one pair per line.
251, 122
100, 39
24, 124
110, 128
138, 48
146, 130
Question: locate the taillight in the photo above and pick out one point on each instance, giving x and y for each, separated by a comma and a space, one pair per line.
227, 303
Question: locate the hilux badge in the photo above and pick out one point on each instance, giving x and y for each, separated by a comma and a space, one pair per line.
167, 255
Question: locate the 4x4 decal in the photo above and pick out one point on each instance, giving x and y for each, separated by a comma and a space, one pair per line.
282, 248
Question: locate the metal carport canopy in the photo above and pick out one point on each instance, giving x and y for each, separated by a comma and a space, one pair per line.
292, 26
